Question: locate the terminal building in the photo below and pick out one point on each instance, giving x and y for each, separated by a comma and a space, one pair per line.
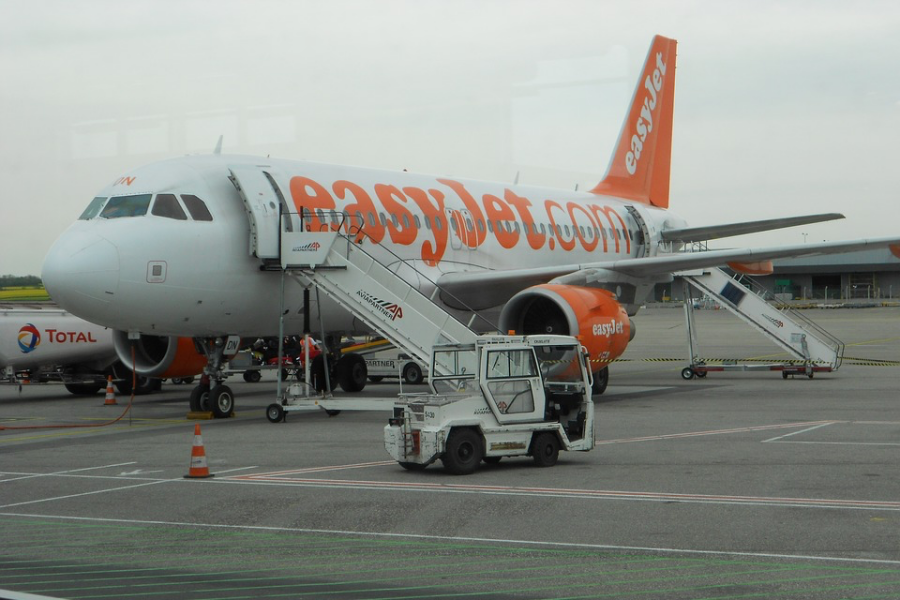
872, 275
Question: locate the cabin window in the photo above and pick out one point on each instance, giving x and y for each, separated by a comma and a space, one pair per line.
93, 208
372, 221
480, 225
491, 226
383, 220
166, 205
516, 225
126, 206
395, 222
542, 229
566, 229
196, 207
453, 224
438, 223
418, 222
427, 220
525, 228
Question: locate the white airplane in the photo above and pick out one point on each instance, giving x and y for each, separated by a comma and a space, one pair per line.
180, 247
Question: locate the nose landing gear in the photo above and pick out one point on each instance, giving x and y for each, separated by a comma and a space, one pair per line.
206, 396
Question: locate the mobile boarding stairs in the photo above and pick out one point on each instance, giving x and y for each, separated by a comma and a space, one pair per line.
815, 350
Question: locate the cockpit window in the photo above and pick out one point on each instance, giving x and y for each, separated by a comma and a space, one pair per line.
126, 206
196, 207
166, 205
93, 208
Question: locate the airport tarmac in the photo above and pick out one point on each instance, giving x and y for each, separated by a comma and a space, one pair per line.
738, 485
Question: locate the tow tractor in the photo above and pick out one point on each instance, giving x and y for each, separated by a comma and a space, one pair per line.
501, 396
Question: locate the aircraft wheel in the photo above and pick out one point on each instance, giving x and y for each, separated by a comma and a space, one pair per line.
601, 380
352, 372
200, 398
687, 373
701, 374
412, 374
252, 376
84, 389
221, 400
464, 451
410, 466
545, 449
275, 413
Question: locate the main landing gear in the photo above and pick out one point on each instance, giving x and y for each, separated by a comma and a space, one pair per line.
208, 396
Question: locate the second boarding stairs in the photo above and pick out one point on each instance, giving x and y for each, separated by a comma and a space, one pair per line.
814, 349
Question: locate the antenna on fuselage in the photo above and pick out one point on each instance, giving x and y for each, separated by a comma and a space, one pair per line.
218, 148
516, 180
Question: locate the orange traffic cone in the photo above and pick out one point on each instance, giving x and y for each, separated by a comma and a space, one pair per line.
110, 394
198, 469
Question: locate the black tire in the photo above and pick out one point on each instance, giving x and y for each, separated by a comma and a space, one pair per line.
145, 386
84, 389
123, 377
784, 375
177, 380
332, 412
154, 385
221, 400
252, 376
412, 374
601, 380
491, 460
200, 398
409, 466
284, 374
701, 374
352, 372
545, 449
810, 374
187, 380
464, 451
275, 413
375, 378
687, 373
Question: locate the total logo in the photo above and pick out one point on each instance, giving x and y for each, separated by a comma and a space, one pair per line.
608, 329
310, 247
29, 338
391, 310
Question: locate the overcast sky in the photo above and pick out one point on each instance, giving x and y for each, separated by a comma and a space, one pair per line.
781, 108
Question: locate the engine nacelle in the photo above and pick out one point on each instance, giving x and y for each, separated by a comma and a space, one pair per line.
160, 356
591, 314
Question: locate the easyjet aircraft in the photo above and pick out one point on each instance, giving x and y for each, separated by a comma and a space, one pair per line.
178, 248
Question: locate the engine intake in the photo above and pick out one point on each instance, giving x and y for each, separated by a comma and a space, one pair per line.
159, 356
591, 314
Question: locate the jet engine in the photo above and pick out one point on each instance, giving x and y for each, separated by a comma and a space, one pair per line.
591, 314
160, 356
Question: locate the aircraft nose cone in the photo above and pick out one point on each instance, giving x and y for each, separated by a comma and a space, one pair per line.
81, 274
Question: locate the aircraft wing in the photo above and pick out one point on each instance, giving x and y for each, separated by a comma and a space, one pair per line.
483, 289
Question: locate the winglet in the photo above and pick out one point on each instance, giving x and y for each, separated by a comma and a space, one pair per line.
218, 148
640, 165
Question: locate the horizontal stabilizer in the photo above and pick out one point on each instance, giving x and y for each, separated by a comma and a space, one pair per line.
714, 232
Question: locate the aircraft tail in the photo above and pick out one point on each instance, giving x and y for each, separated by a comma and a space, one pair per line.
640, 166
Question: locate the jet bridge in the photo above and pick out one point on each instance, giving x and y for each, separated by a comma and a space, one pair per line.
815, 349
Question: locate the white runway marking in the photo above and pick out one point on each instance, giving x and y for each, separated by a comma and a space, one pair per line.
466, 540
283, 478
673, 436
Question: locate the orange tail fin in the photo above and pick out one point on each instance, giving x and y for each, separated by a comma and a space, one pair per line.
640, 165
